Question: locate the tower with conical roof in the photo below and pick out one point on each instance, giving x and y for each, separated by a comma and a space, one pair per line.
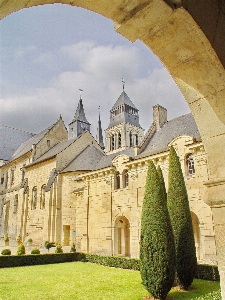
79, 123
99, 136
124, 129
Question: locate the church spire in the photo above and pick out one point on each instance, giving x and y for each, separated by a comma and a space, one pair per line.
99, 136
79, 123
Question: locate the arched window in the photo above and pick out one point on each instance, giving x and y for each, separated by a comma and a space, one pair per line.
42, 200
34, 198
113, 142
190, 164
117, 181
125, 179
131, 144
136, 139
119, 140
15, 208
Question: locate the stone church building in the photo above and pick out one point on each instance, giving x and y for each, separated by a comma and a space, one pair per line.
66, 186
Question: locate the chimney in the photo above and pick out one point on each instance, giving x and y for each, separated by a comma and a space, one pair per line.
159, 116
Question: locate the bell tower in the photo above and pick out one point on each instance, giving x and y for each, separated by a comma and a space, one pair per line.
124, 130
79, 123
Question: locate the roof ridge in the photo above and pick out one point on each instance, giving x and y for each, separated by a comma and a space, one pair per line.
17, 129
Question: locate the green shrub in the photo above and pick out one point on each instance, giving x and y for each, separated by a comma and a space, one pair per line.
157, 251
30, 240
180, 216
19, 239
6, 238
6, 252
21, 250
58, 249
41, 259
211, 296
162, 183
49, 245
207, 272
35, 251
73, 248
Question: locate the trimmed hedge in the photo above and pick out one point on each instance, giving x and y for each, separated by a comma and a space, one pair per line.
206, 272
112, 261
38, 259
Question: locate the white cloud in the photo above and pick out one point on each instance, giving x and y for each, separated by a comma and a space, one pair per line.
98, 70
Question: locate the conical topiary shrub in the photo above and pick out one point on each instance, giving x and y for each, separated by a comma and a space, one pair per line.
179, 211
157, 251
162, 182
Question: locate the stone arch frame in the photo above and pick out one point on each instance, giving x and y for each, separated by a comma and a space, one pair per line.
197, 234
194, 55
122, 236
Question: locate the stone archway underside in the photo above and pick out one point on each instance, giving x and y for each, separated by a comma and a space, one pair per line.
189, 39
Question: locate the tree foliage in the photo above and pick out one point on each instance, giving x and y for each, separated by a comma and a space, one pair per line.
162, 182
157, 252
21, 250
179, 211
49, 245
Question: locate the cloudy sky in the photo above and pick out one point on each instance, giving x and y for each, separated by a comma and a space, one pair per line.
50, 52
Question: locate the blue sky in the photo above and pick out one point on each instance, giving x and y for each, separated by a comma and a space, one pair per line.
50, 52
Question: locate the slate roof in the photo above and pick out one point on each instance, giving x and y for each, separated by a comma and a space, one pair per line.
10, 140
85, 161
183, 125
27, 145
53, 151
106, 161
124, 99
80, 114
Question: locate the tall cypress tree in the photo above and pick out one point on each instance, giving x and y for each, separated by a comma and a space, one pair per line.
179, 211
157, 251
162, 182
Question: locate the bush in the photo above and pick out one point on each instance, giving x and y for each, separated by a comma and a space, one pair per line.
19, 239
180, 216
207, 272
49, 245
35, 251
6, 238
21, 250
41, 259
30, 240
73, 248
157, 251
6, 252
58, 249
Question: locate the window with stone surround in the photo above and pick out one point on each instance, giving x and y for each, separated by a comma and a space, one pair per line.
125, 179
34, 198
42, 200
117, 181
190, 165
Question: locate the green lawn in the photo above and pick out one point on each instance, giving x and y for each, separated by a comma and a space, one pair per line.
85, 281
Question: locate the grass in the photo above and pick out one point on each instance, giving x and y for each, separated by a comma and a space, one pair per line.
83, 281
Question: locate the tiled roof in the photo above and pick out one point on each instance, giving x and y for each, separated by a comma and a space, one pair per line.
86, 160
10, 140
183, 125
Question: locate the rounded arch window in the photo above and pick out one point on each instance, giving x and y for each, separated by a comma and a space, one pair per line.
117, 181
125, 178
34, 198
190, 165
42, 200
